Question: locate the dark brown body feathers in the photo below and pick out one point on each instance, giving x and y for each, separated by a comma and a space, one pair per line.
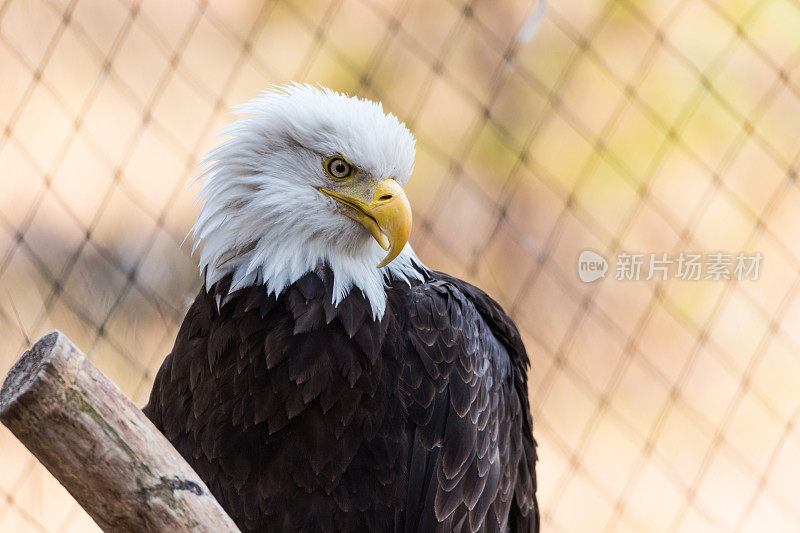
302, 416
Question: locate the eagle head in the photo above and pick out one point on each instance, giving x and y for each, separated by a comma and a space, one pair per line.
308, 177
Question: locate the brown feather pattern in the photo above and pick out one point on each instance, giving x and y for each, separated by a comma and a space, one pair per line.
304, 416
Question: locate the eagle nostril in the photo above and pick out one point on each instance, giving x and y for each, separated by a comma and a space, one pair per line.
385, 197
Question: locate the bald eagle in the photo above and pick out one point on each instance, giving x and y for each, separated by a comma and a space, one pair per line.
312, 391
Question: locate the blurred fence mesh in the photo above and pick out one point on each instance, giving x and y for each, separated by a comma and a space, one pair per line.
616, 126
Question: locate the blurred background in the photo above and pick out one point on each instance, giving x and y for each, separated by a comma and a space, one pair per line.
622, 125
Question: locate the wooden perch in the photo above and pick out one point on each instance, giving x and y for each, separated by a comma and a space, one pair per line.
100, 446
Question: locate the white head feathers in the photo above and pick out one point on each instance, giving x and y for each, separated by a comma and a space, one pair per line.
263, 218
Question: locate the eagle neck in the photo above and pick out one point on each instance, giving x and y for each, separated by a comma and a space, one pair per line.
349, 273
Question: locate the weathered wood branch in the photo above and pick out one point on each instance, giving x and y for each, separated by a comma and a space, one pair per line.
100, 446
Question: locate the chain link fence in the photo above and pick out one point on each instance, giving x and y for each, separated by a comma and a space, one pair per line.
621, 126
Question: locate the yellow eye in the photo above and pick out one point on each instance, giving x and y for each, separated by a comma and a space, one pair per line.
338, 168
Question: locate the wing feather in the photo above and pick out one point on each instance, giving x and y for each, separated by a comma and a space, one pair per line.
465, 388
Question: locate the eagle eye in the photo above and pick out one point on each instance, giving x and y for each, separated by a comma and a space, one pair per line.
338, 168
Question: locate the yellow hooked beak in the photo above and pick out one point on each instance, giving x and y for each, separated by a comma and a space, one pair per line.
387, 216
